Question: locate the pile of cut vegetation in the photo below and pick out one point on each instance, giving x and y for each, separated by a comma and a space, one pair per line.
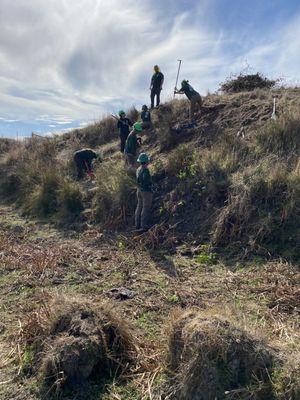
246, 82
69, 342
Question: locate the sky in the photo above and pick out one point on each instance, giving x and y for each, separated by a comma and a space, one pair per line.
66, 63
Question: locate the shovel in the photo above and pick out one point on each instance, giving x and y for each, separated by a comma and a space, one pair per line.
179, 66
274, 115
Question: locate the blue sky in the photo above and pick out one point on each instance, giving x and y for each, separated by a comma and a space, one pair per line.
64, 63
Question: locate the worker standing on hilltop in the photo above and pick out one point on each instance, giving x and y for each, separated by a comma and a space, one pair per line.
83, 160
131, 145
123, 125
192, 95
144, 193
157, 81
146, 117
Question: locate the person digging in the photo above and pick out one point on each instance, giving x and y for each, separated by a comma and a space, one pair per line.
156, 84
192, 95
84, 162
146, 117
131, 145
144, 194
123, 125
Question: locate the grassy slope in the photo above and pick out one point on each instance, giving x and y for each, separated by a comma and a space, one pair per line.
256, 292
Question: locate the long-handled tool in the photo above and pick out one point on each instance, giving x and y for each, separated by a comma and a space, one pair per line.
274, 115
179, 66
119, 119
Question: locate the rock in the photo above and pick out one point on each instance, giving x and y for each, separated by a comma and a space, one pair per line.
121, 293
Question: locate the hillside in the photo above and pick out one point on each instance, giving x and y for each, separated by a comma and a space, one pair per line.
218, 267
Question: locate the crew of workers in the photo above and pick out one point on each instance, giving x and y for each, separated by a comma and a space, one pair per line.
130, 142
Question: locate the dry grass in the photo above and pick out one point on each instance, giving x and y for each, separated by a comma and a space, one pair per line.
210, 357
71, 341
115, 195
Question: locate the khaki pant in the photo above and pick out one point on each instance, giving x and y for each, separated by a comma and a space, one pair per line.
195, 100
130, 160
143, 208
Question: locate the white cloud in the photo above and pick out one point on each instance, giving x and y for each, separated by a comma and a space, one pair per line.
67, 60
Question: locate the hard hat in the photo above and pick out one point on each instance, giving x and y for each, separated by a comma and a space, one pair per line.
121, 112
144, 108
143, 158
138, 127
184, 82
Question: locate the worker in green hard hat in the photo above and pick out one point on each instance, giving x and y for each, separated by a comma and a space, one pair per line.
124, 124
146, 117
192, 95
131, 145
144, 193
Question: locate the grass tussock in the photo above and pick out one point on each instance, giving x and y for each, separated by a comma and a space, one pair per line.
68, 341
281, 137
262, 209
211, 358
114, 198
38, 181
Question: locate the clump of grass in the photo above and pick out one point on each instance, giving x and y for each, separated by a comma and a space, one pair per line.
262, 208
67, 342
210, 357
179, 160
114, 199
281, 137
70, 199
43, 201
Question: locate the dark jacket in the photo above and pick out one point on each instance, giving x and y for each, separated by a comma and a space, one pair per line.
131, 144
124, 125
144, 180
87, 155
146, 116
157, 81
189, 91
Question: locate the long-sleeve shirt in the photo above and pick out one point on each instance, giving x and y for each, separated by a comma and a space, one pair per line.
146, 116
144, 180
124, 125
188, 91
157, 80
86, 155
131, 144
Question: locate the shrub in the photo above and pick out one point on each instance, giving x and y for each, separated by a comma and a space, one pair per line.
243, 82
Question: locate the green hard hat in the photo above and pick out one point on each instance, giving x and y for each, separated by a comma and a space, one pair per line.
184, 82
121, 112
138, 127
143, 158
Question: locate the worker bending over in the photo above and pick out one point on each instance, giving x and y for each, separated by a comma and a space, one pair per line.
192, 95
83, 160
